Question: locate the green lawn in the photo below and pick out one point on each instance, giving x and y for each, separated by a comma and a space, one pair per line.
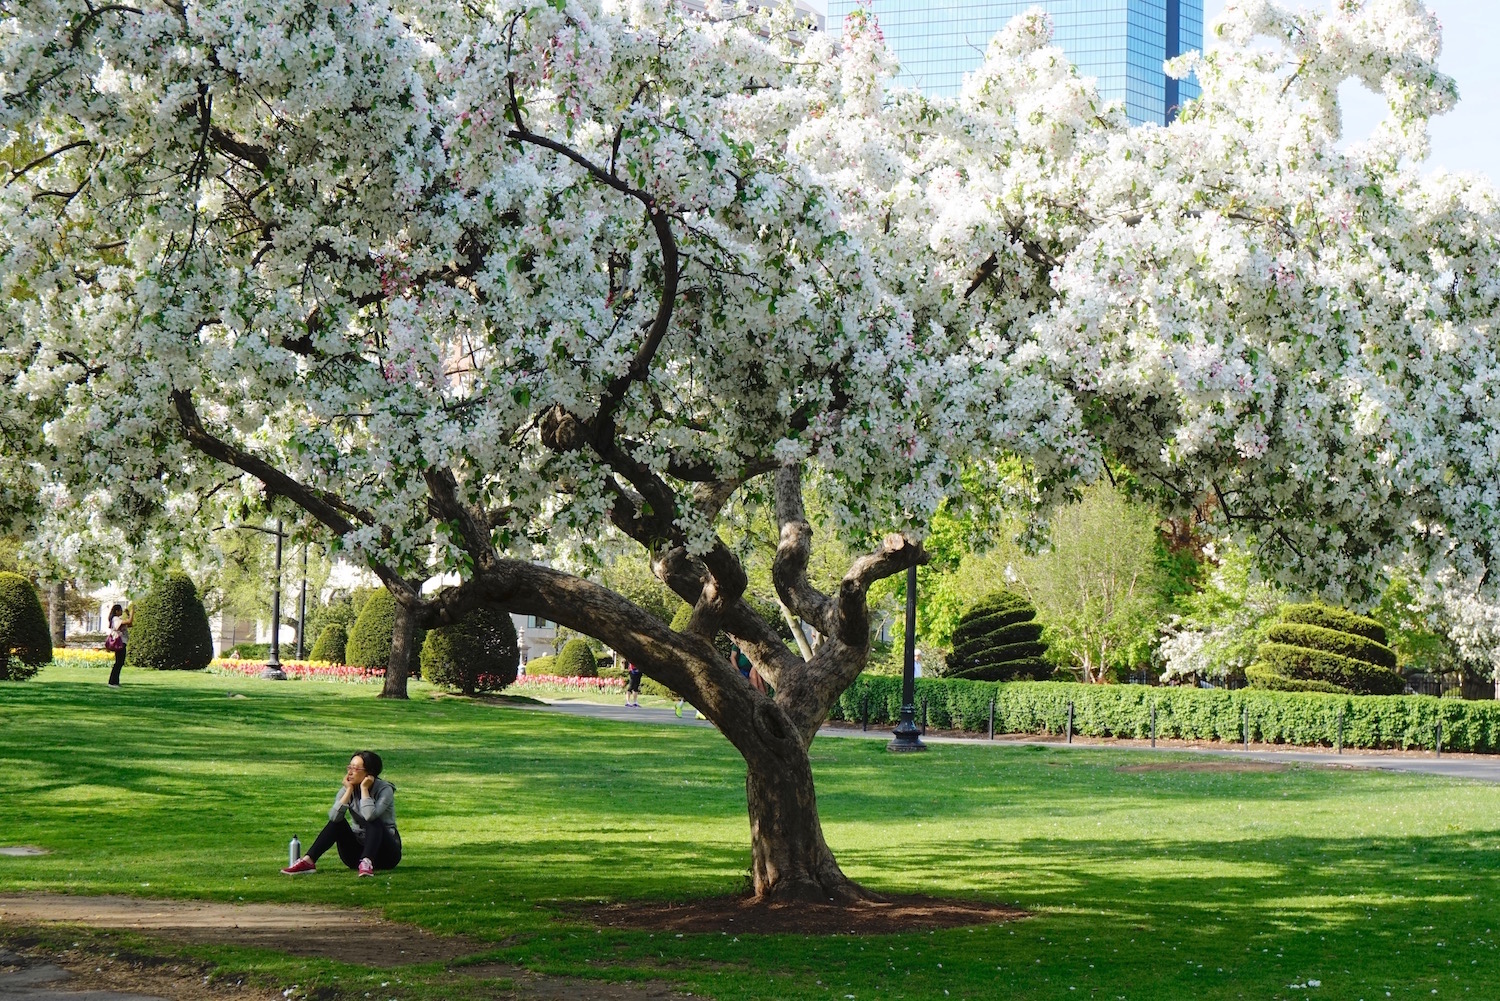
1166, 885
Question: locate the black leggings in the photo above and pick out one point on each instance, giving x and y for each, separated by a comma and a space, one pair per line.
376, 844
114, 676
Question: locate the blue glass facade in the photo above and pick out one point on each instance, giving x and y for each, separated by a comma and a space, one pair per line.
1122, 43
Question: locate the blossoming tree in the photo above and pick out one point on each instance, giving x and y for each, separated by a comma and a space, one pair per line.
478, 285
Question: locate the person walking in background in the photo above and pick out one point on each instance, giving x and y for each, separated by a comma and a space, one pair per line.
120, 621
916, 664
632, 685
369, 840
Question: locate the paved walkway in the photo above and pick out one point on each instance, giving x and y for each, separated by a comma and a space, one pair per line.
31, 980
1482, 767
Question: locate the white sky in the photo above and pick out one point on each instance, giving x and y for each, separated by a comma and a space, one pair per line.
1468, 137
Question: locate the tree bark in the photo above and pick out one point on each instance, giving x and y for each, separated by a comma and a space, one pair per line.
57, 613
403, 640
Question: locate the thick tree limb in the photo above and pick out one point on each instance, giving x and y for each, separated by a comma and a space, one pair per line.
789, 569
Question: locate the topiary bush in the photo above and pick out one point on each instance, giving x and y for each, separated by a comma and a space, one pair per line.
332, 644
171, 628
1318, 648
369, 642
542, 665
479, 653
576, 661
997, 640
25, 640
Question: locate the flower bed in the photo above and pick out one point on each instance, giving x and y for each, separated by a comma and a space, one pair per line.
300, 670
82, 658
569, 684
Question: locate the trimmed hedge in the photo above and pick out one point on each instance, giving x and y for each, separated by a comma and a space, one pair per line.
1337, 619
25, 640
542, 665
479, 653
996, 640
1302, 718
171, 630
576, 661
331, 645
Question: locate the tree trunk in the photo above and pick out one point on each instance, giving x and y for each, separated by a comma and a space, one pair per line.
57, 613
403, 639
789, 860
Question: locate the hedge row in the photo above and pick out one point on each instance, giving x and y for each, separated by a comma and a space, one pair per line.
1303, 718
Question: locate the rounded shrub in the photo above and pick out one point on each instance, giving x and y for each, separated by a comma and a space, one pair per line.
997, 640
171, 628
479, 653
332, 644
576, 661
543, 665
25, 640
1318, 648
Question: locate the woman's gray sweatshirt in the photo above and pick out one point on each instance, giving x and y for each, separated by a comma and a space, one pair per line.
379, 806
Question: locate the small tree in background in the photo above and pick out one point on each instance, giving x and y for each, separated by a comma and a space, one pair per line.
576, 661
25, 642
331, 645
1098, 586
478, 654
171, 630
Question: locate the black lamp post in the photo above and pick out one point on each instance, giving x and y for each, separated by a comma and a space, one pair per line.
302, 605
273, 669
906, 738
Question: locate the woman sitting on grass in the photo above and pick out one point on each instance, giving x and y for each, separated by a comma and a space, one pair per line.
369, 840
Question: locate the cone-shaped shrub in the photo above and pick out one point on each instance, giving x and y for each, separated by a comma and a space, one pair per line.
997, 640
331, 644
369, 642
478, 654
1318, 648
171, 628
576, 661
25, 641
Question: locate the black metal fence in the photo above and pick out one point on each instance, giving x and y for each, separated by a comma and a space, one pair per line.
1434, 684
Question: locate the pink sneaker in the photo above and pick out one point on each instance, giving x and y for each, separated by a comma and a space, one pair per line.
366, 867
300, 866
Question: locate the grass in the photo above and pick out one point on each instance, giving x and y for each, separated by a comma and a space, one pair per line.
1154, 885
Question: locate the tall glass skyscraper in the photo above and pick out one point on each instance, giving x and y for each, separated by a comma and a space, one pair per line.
1122, 43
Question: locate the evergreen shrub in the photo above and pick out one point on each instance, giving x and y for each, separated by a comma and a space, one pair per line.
479, 653
542, 665
1317, 647
369, 642
332, 644
997, 640
576, 661
171, 630
25, 640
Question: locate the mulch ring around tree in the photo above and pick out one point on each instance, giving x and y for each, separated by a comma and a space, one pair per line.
742, 915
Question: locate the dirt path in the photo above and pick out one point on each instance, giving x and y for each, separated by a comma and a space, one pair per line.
328, 932
296, 929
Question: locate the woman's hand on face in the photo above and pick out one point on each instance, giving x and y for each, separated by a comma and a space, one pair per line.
366, 784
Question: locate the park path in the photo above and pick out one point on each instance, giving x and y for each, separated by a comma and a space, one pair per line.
1482, 767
